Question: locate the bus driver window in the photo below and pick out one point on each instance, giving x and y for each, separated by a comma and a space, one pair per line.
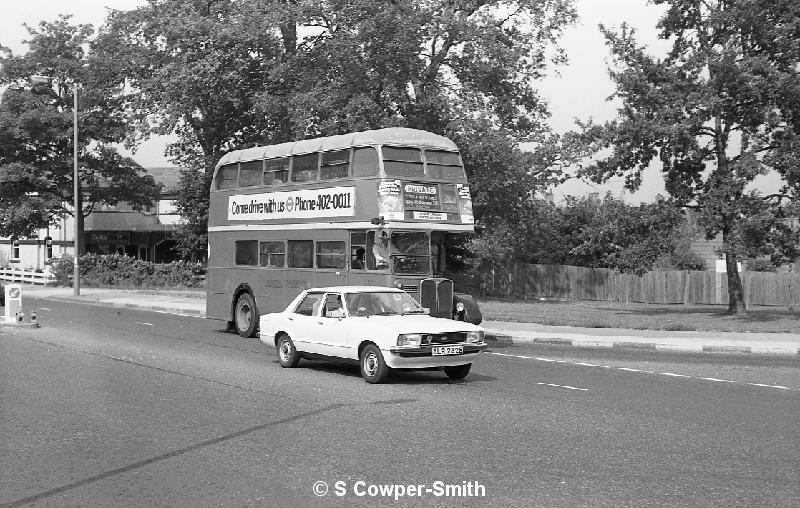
379, 250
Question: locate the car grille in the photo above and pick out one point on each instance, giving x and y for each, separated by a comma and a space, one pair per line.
436, 339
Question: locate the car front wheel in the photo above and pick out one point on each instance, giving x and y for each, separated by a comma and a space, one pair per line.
373, 367
287, 353
458, 372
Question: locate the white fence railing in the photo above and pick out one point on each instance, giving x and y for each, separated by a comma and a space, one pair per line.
27, 276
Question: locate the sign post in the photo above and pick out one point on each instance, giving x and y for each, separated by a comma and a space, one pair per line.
13, 301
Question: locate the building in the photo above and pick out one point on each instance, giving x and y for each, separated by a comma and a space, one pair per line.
149, 234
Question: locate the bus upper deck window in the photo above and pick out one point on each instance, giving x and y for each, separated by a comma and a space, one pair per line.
304, 167
444, 165
276, 171
365, 162
335, 165
227, 176
250, 173
406, 162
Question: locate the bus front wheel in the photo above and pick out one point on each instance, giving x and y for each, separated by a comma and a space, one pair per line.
245, 315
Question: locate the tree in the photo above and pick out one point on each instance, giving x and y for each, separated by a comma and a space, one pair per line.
720, 109
225, 75
36, 136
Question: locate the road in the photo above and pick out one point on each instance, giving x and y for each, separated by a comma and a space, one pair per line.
109, 407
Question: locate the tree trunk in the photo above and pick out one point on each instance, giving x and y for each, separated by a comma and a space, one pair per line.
736, 305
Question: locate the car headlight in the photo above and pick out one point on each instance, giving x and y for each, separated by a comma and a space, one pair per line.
475, 336
459, 306
409, 339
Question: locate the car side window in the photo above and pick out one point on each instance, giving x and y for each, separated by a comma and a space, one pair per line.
333, 306
309, 305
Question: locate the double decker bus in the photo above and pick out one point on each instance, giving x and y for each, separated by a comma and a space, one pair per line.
372, 208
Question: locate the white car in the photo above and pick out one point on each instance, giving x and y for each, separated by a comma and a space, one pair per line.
381, 328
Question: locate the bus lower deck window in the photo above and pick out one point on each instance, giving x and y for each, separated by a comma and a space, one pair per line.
246, 252
273, 254
330, 255
300, 253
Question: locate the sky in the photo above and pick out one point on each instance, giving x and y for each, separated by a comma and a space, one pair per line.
578, 90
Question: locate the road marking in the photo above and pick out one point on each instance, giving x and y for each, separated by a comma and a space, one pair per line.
564, 386
44, 308
143, 323
628, 369
717, 380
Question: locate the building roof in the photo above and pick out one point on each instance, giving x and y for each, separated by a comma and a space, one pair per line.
169, 177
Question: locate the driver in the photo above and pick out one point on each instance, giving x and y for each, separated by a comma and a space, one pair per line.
380, 250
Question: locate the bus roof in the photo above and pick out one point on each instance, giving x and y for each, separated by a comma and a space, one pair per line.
391, 136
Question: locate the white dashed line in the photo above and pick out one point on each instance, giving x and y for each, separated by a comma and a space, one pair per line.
564, 386
628, 369
142, 323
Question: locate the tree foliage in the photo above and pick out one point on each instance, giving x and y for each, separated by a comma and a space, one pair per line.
592, 232
224, 74
720, 109
36, 135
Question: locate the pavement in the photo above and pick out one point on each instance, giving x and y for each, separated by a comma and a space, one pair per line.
193, 303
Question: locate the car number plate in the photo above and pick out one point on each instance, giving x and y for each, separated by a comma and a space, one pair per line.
447, 350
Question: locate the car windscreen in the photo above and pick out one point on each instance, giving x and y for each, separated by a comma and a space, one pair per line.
379, 303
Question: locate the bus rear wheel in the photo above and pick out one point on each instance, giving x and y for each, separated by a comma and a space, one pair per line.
245, 315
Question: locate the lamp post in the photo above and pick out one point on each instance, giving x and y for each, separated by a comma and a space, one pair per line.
76, 272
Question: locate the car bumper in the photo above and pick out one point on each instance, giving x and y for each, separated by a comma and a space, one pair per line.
422, 357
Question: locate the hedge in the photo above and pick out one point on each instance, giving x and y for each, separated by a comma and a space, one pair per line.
124, 271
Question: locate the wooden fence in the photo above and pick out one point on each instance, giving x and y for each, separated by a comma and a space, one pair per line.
27, 276
688, 287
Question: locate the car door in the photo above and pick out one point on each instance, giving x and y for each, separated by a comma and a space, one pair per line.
304, 324
332, 327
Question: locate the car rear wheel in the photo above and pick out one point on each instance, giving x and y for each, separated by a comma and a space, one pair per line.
458, 372
373, 366
287, 353
245, 315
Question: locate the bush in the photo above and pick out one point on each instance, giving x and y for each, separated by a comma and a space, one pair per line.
125, 271
63, 269
760, 265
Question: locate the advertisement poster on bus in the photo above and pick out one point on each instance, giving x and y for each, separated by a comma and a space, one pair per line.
390, 205
300, 204
465, 203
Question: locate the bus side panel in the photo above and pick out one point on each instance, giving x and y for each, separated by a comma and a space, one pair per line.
219, 291
271, 292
